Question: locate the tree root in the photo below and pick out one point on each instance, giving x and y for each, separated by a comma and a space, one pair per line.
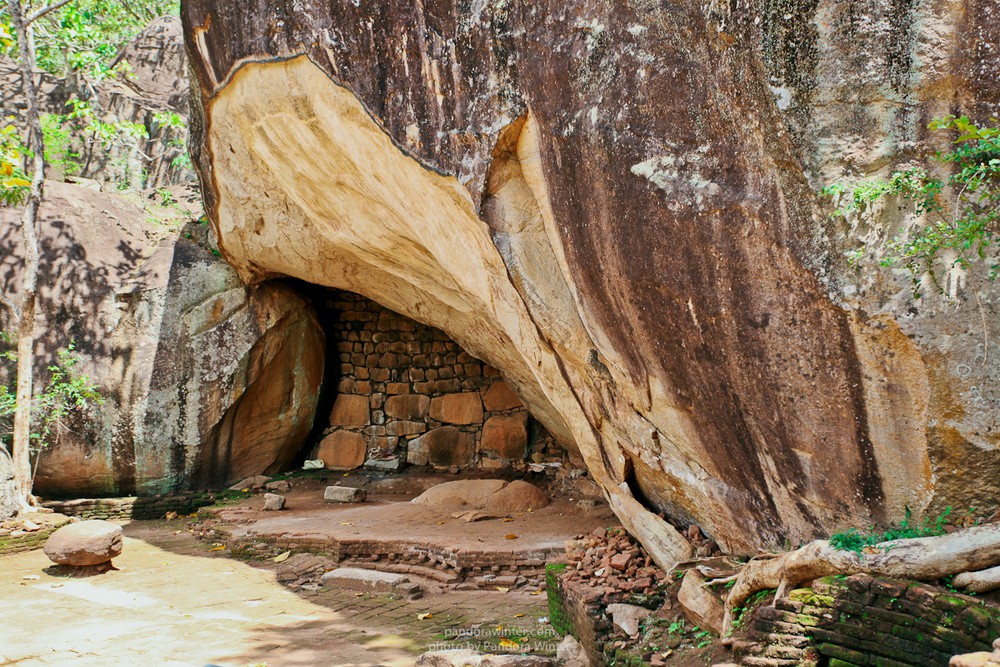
982, 581
923, 558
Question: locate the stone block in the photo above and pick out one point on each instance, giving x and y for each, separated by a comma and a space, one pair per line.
443, 447
463, 408
273, 502
398, 428
499, 397
342, 450
344, 494
408, 406
356, 577
385, 465
350, 410
506, 436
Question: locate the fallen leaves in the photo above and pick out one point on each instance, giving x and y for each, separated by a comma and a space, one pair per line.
511, 536
218, 547
282, 557
424, 616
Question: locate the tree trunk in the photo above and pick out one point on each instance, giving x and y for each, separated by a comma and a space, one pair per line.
922, 558
29, 220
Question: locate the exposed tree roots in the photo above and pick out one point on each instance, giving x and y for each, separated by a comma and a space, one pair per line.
967, 552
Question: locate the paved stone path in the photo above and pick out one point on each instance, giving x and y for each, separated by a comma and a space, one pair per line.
173, 602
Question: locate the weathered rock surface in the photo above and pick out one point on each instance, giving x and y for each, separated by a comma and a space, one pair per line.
84, 543
570, 653
701, 606
496, 496
506, 436
627, 617
463, 493
8, 495
350, 410
614, 204
518, 496
205, 381
463, 408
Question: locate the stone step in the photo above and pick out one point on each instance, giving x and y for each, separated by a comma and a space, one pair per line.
357, 578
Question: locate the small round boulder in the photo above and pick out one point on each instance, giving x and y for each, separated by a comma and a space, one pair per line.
84, 543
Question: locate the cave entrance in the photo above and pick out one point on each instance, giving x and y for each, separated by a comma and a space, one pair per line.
397, 392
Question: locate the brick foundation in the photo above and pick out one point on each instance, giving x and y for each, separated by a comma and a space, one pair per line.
861, 620
468, 568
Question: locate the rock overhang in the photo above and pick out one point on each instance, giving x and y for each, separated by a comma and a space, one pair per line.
640, 279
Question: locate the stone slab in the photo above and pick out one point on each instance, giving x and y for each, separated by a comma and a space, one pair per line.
344, 494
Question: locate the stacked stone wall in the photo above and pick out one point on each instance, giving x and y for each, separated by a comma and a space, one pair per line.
139, 508
862, 620
407, 392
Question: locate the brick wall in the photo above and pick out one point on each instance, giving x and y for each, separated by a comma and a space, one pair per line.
409, 393
862, 620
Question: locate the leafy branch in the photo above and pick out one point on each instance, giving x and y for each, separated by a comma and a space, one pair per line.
960, 214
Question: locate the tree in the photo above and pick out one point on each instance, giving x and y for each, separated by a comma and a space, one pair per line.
79, 36
21, 441
66, 390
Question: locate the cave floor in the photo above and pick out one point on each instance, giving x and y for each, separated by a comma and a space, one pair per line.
388, 516
174, 601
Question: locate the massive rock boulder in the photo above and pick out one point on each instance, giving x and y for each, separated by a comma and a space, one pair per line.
615, 203
205, 381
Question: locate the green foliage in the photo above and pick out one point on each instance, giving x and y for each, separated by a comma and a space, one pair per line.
58, 144
742, 614
962, 212
82, 42
14, 184
66, 391
108, 133
86, 36
856, 541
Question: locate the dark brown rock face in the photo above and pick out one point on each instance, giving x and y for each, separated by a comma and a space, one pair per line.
613, 203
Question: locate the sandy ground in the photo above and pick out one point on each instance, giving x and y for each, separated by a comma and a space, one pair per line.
173, 602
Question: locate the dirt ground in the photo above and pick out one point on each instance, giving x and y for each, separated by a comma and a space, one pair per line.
174, 602
177, 600
388, 515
